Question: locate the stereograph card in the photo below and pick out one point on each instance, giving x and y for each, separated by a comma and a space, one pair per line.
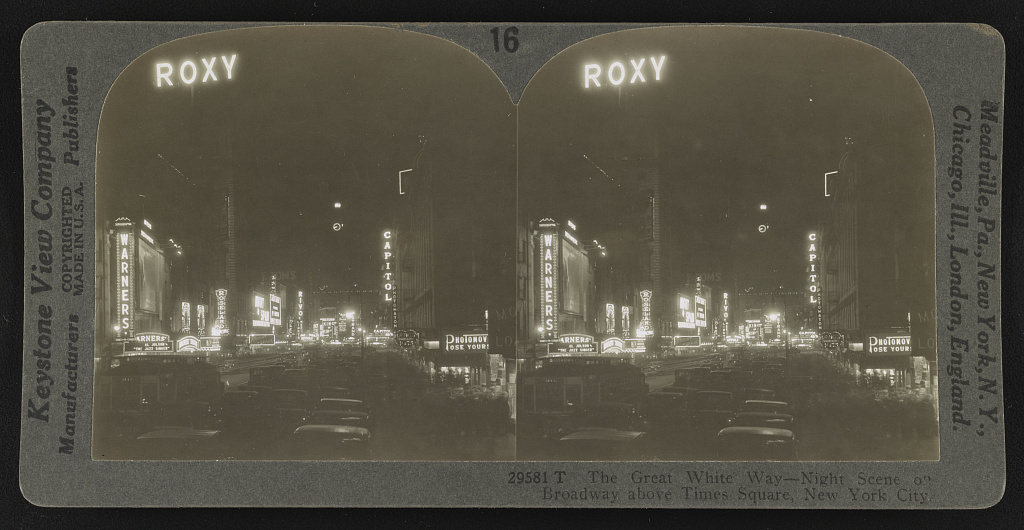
580, 265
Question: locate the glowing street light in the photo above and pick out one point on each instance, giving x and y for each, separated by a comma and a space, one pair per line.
337, 205
764, 206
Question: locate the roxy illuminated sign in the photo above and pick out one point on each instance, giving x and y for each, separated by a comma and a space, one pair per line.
548, 278
208, 70
814, 284
124, 267
616, 73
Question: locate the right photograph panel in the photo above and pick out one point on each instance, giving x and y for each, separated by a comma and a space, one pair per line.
725, 251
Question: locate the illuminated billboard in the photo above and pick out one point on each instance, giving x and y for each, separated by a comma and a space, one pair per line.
644, 328
201, 311
576, 343
888, 344
299, 310
813, 279
687, 315
725, 313
260, 311
124, 278
220, 322
700, 306
466, 342
548, 251
388, 287
275, 310
609, 318
151, 277
186, 317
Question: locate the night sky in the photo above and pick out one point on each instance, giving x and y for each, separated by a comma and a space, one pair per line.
318, 115
740, 117
311, 116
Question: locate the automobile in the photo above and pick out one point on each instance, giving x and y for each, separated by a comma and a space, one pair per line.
714, 411
335, 392
714, 400
341, 404
179, 443
329, 442
611, 414
757, 394
763, 419
602, 444
755, 443
339, 417
759, 405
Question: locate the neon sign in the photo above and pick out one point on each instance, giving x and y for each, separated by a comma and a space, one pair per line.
700, 311
814, 285
389, 277
220, 326
615, 73
188, 72
609, 318
124, 274
687, 317
186, 317
576, 343
298, 304
459, 342
188, 343
612, 345
548, 277
275, 310
201, 318
644, 329
725, 313
261, 313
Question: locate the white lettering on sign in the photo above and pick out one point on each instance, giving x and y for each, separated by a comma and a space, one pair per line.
889, 344
548, 253
186, 317
644, 328
187, 72
388, 287
814, 285
615, 73
124, 273
220, 326
466, 342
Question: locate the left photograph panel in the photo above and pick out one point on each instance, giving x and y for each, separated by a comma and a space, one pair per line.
300, 251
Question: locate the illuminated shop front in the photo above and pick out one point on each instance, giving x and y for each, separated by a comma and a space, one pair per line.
464, 358
885, 360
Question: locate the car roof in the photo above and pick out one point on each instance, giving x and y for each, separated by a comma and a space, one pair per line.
359, 432
178, 433
342, 400
765, 401
756, 431
764, 415
610, 435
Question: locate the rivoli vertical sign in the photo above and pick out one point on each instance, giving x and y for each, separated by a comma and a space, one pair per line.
124, 272
814, 285
388, 289
548, 250
298, 306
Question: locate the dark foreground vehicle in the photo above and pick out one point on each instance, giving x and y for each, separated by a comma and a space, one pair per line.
756, 444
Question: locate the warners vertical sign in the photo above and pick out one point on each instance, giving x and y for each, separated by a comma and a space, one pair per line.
814, 285
388, 289
124, 277
548, 277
